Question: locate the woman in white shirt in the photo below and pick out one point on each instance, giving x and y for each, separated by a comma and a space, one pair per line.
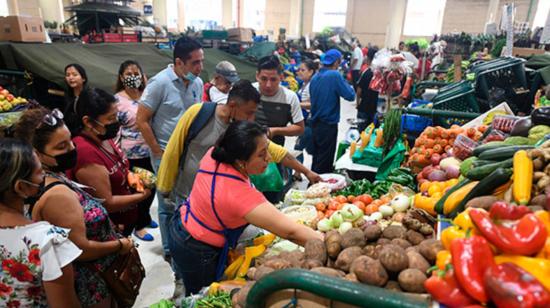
36, 257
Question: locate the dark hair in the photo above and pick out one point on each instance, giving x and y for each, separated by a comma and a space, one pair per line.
270, 63
184, 47
93, 103
243, 91
82, 73
311, 65
30, 127
370, 54
238, 143
119, 86
16, 162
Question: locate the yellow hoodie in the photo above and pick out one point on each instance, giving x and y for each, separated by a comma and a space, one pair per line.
169, 165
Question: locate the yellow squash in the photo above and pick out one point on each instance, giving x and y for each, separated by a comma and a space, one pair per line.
231, 271
249, 254
352, 148
265, 239
456, 197
523, 177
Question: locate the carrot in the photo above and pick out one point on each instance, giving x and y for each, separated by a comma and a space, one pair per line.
443, 142
429, 132
440, 130
379, 138
422, 160
452, 133
454, 126
482, 128
447, 148
471, 132
429, 143
428, 153
451, 141
438, 149
444, 134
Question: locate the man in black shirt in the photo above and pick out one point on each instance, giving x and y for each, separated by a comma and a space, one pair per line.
367, 99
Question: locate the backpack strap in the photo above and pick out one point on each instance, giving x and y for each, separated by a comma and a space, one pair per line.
205, 114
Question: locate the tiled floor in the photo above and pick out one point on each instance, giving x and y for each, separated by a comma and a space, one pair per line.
159, 280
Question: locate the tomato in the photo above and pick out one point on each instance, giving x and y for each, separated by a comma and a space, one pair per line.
341, 199
329, 213
333, 205
360, 205
351, 198
385, 199
340, 206
320, 215
371, 208
366, 199
320, 206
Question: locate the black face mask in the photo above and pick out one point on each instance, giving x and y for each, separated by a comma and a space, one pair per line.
111, 130
33, 199
65, 161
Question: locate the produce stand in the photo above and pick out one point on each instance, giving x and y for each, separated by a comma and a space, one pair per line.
338, 290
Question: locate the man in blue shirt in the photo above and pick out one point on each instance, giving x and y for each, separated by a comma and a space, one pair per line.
326, 88
167, 96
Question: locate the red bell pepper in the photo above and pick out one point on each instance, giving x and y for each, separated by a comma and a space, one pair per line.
471, 257
444, 288
525, 236
510, 286
503, 210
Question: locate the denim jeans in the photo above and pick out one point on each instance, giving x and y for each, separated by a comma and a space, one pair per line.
165, 211
194, 260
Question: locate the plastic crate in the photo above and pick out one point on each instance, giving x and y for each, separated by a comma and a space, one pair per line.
214, 34
414, 123
504, 73
457, 97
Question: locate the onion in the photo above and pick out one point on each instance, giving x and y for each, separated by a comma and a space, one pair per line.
377, 216
398, 217
426, 171
400, 203
336, 219
444, 163
435, 159
452, 172
386, 210
344, 227
324, 225
351, 212
437, 175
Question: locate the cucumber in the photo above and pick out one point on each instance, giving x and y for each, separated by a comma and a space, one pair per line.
481, 162
503, 152
439, 204
485, 187
479, 173
488, 146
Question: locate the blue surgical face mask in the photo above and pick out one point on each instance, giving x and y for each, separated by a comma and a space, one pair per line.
190, 76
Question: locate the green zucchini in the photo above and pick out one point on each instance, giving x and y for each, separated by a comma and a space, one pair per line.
485, 187
488, 146
503, 152
481, 162
479, 173
439, 204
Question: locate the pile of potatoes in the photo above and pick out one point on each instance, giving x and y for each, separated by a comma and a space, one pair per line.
396, 257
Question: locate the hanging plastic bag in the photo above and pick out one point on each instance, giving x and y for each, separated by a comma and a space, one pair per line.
271, 180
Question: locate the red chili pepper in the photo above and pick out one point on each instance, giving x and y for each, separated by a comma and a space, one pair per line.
525, 236
503, 210
471, 257
510, 286
444, 288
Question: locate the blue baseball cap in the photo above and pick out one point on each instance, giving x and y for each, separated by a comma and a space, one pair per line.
331, 56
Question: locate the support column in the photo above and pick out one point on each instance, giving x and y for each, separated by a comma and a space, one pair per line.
295, 19
307, 19
160, 13
181, 15
52, 10
494, 11
227, 13
13, 7
397, 9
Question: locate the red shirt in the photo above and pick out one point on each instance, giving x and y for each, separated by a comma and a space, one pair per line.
233, 200
90, 153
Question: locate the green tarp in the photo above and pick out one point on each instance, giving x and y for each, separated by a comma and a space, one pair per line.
101, 61
540, 63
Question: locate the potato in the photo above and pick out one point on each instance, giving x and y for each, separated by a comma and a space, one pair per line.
331, 263
429, 249
413, 248
416, 260
483, 202
315, 249
412, 280
369, 251
346, 257
539, 200
262, 271
392, 232
401, 243
369, 271
309, 264
426, 230
239, 298
295, 257
411, 223
393, 258
373, 232
393, 285
333, 241
353, 237
250, 273
328, 272
414, 237
383, 241
398, 217
277, 263
351, 277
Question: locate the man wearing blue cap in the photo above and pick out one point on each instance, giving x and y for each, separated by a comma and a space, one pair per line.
326, 88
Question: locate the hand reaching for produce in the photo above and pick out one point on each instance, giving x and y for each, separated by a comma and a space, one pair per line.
313, 177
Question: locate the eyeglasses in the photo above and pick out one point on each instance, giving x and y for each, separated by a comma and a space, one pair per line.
51, 118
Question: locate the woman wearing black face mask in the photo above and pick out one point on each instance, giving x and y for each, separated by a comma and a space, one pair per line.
36, 256
89, 221
100, 162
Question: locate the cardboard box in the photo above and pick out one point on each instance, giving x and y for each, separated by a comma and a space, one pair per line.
22, 29
526, 52
240, 34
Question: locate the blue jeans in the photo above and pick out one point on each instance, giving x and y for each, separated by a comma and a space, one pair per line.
165, 210
194, 260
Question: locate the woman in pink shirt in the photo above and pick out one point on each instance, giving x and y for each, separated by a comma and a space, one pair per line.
222, 203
